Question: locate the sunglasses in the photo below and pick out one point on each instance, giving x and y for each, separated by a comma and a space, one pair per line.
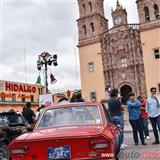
154, 91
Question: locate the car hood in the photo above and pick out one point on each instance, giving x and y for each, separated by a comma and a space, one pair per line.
62, 132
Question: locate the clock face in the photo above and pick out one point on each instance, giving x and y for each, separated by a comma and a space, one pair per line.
118, 19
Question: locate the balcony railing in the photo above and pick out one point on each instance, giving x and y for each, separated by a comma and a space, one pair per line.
125, 26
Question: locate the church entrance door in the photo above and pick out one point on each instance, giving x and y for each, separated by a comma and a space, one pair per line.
124, 91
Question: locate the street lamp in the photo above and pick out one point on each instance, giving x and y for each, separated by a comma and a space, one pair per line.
45, 59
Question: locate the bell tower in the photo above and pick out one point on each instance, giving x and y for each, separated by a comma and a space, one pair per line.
149, 13
119, 15
149, 17
91, 24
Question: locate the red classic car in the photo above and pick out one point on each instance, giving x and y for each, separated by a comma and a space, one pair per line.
80, 131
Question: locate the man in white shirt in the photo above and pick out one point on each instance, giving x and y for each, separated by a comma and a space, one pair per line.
153, 110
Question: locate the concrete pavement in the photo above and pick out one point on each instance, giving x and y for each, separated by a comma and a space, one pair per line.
140, 152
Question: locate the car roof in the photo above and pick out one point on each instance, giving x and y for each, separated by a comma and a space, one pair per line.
73, 105
8, 113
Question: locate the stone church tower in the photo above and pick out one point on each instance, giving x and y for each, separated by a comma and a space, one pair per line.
149, 16
109, 57
91, 24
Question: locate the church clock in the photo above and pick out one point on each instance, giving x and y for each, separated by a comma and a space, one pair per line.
118, 20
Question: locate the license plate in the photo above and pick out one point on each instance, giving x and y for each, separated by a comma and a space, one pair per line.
59, 153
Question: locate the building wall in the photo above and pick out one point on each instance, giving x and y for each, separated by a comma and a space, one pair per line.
151, 40
9, 89
92, 81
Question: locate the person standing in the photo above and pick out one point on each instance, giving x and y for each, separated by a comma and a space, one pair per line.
144, 116
116, 112
28, 114
135, 118
39, 111
153, 110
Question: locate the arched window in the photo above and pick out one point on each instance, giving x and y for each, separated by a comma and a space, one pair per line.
84, 9
92, 27
146, 13
84, 29
90, 6
156, 11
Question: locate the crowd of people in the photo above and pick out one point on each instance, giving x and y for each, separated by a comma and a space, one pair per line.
140, 109
32, 116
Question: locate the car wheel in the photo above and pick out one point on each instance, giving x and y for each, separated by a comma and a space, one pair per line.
4, 152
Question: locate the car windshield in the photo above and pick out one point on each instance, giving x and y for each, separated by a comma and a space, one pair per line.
67, 116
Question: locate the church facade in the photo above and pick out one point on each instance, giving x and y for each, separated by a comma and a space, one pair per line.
110, 58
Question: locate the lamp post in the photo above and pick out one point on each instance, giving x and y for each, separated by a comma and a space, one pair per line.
45, 59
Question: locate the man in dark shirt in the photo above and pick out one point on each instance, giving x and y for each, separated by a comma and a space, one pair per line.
115, 106
28, 114
116, 112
